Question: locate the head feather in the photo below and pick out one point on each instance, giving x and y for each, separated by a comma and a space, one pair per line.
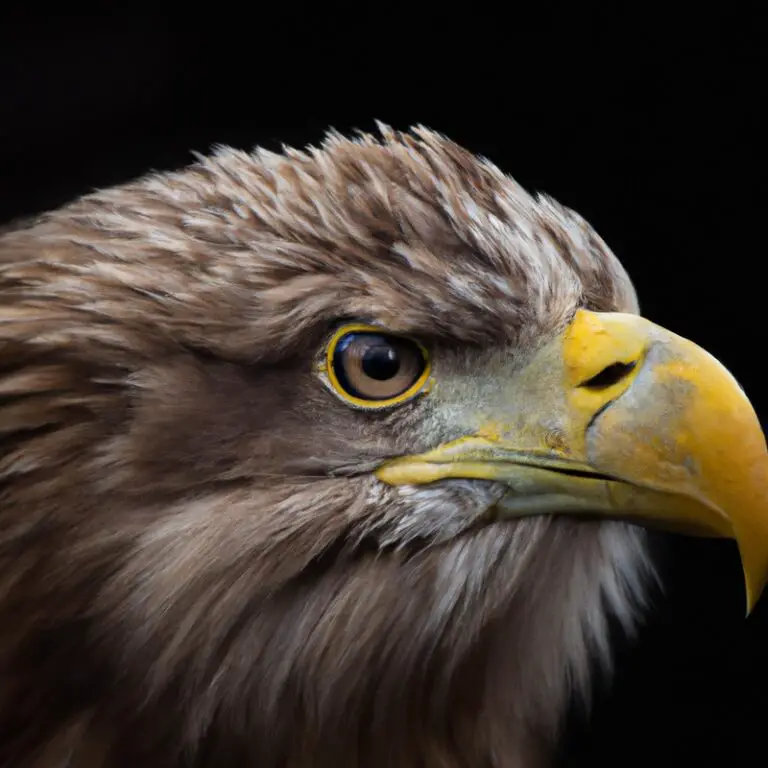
185, 576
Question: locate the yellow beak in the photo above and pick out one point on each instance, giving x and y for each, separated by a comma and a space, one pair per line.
620, 418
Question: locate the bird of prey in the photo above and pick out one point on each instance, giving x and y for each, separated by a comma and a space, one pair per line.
336, 457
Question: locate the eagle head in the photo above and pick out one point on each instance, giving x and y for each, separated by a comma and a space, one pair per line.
335, 458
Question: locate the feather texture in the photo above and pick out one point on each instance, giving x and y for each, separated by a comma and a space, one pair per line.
196, 566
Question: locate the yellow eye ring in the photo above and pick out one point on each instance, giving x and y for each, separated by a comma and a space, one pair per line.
401, 367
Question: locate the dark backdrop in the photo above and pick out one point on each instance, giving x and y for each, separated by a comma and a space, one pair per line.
650, 127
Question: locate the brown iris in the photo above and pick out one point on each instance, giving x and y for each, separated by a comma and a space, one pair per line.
375, 368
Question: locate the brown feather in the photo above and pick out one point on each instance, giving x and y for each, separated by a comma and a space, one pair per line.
196, 566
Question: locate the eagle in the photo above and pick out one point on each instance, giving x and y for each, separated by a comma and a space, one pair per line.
336, 457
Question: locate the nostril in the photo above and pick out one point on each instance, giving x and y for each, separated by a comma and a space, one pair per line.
609, 376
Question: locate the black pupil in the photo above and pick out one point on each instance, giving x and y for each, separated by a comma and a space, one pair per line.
375, 357
380, 362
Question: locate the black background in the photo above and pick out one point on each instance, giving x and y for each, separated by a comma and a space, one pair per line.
649, 126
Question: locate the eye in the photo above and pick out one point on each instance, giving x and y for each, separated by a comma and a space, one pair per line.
373, 369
